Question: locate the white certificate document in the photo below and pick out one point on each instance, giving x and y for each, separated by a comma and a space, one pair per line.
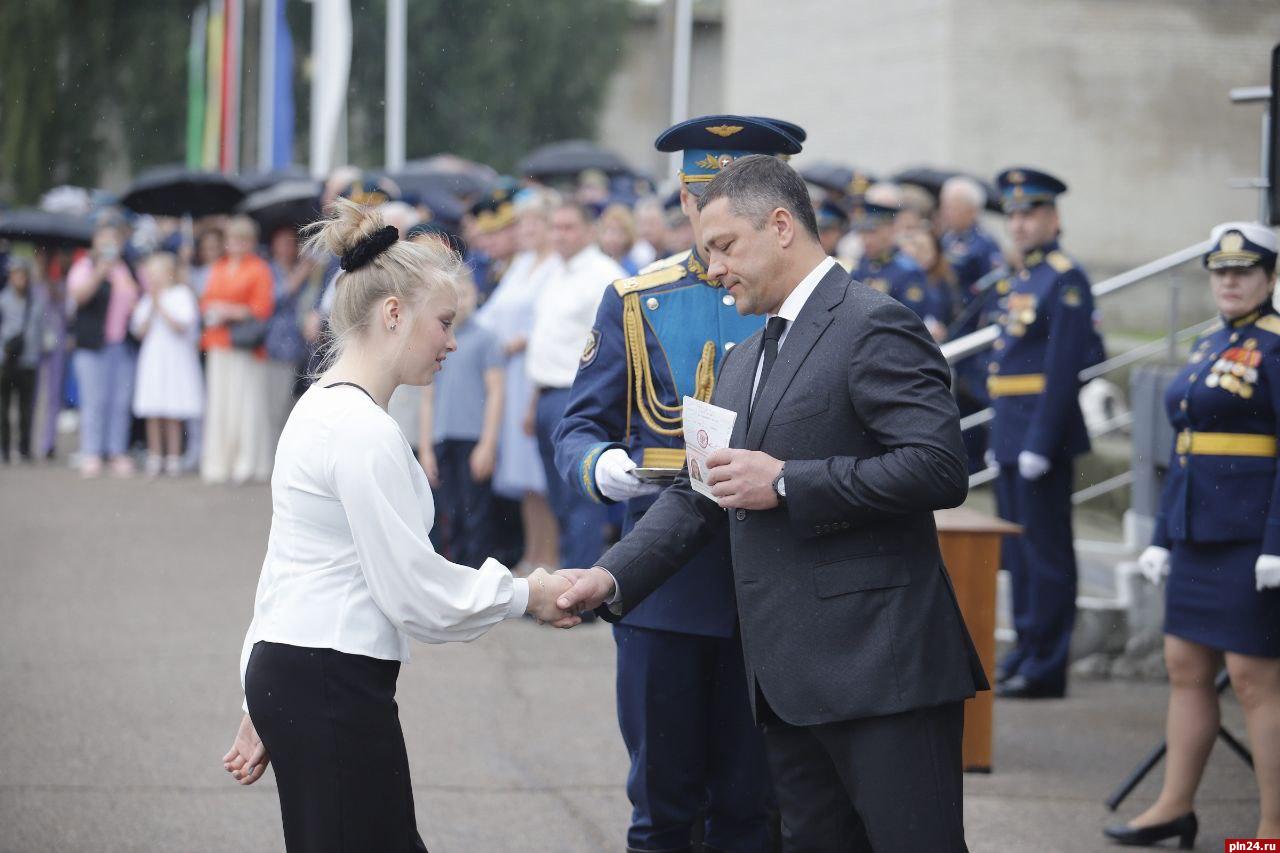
706, 428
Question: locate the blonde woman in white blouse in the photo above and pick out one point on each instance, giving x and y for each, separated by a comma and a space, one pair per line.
350, 575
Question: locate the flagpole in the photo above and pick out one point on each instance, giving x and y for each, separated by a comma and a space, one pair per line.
395, 108
681, 61
267, 85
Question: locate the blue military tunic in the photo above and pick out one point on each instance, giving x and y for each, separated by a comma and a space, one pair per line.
1220, 506
658, 337
1047, 337
972, 254
897, 274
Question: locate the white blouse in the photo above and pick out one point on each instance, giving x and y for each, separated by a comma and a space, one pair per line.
349, 565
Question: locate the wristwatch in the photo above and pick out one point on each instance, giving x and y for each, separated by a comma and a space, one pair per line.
780, 484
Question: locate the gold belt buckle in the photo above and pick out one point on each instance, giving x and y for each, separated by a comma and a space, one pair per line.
1184, 441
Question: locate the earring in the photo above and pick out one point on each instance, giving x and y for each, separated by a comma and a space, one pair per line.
393, 327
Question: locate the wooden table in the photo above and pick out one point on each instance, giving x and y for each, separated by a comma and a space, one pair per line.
970, 543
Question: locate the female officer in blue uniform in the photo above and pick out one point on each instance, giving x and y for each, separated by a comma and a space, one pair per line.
1217, 537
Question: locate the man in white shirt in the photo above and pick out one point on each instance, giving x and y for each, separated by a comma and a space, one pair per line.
562, 322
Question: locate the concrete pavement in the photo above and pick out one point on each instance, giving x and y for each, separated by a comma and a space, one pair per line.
122, 610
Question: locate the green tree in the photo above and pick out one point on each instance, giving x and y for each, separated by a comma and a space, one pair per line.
92, 91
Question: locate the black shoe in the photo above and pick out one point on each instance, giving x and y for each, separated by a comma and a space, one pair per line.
1021, 687
1183, 828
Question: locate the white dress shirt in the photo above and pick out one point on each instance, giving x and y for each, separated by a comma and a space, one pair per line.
349, 565
790, 308
564, 314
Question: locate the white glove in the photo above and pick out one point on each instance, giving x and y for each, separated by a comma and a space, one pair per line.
615, 480
1267, 571
989, 458
1154, 563
1032, 466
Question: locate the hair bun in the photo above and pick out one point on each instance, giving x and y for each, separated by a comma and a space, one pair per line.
346, 226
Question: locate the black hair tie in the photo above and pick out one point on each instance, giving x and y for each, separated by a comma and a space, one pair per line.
369, 248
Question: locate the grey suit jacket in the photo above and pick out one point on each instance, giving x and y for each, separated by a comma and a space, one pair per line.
845, 606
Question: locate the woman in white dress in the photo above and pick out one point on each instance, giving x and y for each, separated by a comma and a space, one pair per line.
508, 313
350, 575
169, 387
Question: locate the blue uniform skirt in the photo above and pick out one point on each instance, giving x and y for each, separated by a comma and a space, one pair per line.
1212, 599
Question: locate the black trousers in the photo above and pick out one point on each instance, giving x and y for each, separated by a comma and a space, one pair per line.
330, 724
19, 381
882, 784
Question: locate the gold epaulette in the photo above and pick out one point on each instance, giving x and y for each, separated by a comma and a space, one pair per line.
1059, 261
646, 280
677, 258
1269, 323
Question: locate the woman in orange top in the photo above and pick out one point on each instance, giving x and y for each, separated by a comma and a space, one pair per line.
237, 441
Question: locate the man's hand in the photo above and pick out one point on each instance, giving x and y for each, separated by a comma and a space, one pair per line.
591, 588
743, 479
544, 589
1032, 466
615, 480
247, 760
427, 456
482, 460
1266, 571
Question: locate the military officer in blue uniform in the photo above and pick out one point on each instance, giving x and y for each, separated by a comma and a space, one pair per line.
833, 222
972, 254
1047, 337
1217, 535
886, 267
682, 697
494, 228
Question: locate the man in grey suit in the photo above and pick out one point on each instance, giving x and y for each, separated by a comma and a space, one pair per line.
846, 440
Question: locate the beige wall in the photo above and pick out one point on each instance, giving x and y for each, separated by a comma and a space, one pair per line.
638, 102
1126, 101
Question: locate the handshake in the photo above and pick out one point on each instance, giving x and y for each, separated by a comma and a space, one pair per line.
559, 599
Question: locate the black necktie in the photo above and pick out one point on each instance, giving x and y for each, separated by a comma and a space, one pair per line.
772, 334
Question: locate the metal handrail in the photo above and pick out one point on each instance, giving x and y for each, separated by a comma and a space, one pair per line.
982, 339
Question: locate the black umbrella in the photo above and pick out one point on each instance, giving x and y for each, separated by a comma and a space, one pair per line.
252, 182
418, 180
932, 179
177, 190
569, 158
290, 204
42, 228
443, 207
838, 179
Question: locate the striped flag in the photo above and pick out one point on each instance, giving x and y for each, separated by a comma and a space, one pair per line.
212, 149
195, 87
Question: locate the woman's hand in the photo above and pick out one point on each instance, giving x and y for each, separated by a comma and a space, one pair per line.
247, 759
544, 589
484, 457
517, 345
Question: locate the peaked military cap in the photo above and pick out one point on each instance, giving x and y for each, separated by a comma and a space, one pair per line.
832, 215
1241, 244
710, 143
871, 215
1023, 189
496, 209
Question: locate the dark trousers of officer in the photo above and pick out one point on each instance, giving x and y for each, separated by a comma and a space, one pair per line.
17, 382
884, 784
1042, 571
467, 505
695, 750
330, 724
581, 520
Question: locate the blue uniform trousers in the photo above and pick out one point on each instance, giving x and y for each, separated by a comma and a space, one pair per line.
1042, 571
466, 505
686, 720
581, 520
